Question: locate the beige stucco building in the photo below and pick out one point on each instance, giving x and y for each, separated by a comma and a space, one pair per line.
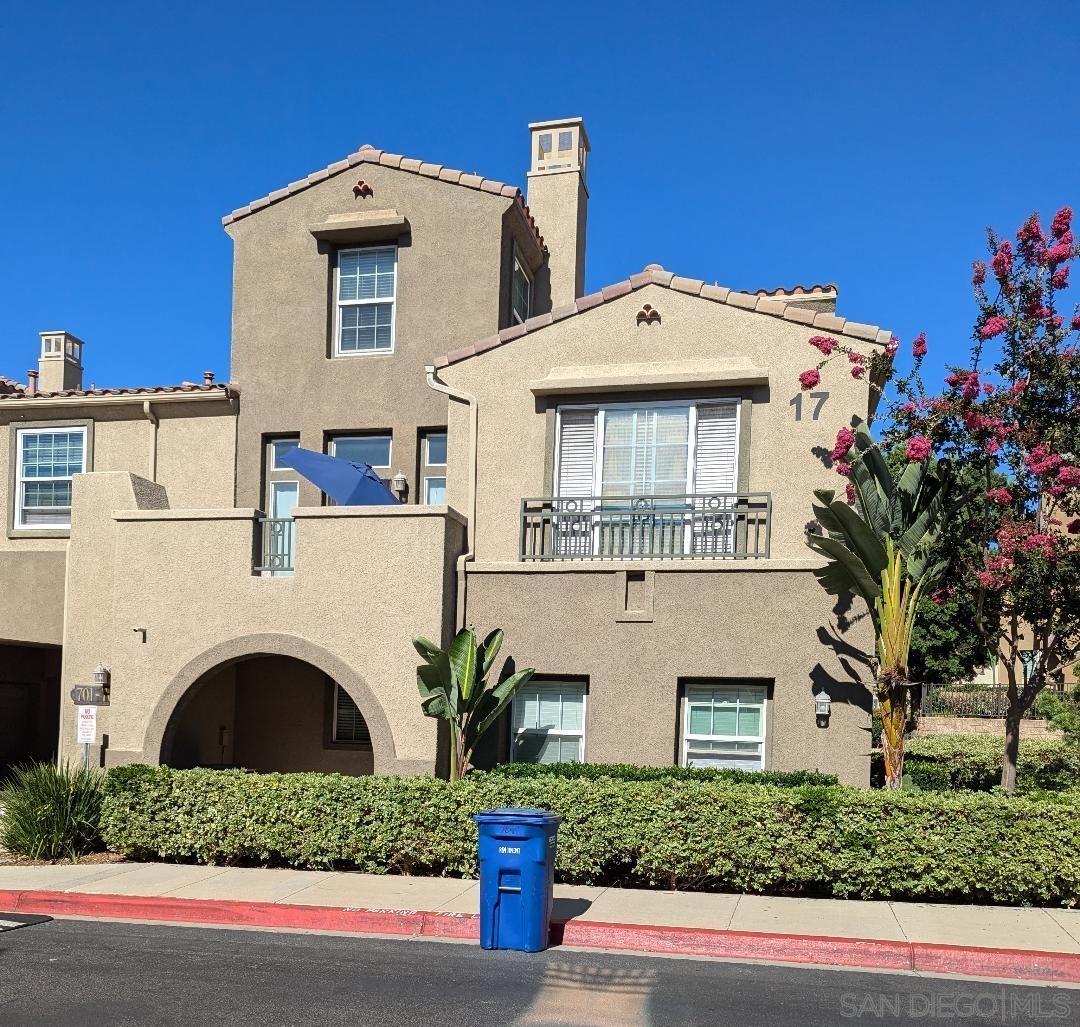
621, 480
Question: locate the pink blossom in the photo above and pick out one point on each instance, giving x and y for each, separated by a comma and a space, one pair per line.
991, 446
842, 468
858, 371
845, 439
996, 575
1003, 260
978, 273
918, 448
1055, 322
1057, 253
1018, 386
1041, 461
808, 379
1057, 491
1062, 220
1060, 278
1075, 323
1031, 240
971, 387
856, 358
1042, 544
918, 347
849, 493
1003, 497
1069, 476
989, 389
994, 325
893, 345
823, 343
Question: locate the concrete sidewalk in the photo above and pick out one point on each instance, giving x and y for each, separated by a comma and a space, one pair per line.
981, 940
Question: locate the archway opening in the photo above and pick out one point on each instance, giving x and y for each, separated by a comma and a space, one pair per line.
268, 713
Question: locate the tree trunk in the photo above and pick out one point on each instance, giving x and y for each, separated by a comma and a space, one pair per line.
1012, 749
893, 723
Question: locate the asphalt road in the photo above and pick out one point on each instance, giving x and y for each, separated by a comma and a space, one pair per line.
85, 973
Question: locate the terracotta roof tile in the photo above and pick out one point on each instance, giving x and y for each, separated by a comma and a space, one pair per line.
827, 288
225, 388
368, 154
770, 304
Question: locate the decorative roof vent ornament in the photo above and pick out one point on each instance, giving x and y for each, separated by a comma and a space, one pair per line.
648, 315
362, 189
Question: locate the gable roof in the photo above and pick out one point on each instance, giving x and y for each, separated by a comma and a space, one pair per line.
368, 154
654, 274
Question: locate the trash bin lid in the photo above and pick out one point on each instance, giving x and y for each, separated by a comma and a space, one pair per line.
517, 816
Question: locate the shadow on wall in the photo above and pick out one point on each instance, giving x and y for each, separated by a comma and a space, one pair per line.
848, 689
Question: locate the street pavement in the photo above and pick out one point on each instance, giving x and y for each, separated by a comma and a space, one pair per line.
75, 972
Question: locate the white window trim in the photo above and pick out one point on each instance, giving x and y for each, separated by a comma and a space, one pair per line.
339, 303
687, 737
20, 434
273, 444
428, 462
335, 439
519, 265
552, 732
691, 441
433, 477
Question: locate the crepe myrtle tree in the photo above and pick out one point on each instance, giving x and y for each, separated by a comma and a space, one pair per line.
882, 547
1013, 412
454, 687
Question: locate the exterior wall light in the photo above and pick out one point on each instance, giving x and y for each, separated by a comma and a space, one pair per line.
102, 678
399, 485
823, 708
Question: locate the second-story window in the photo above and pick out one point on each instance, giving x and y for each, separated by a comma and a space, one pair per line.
45, 460
521, 306
366, 289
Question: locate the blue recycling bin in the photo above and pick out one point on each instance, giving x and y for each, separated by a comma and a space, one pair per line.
517, 874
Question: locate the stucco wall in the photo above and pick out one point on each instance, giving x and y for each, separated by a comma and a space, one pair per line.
451, 277
514, 441
772, 625
367, 581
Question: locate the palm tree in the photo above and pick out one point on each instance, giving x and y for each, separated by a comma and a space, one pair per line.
883, 551
454, 687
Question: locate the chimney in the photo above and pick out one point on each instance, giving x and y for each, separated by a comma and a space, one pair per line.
60, 364
31, 383
208, 377
559, 201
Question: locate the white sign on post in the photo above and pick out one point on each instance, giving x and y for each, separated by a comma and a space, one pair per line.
87, 720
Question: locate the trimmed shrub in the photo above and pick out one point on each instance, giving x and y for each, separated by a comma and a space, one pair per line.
973, 762
843, 842
51, 812
632, 772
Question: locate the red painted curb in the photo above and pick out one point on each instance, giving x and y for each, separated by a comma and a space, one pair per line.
869, 953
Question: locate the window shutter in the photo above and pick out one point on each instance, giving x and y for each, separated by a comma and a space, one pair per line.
577, 452
349, 721
715, 457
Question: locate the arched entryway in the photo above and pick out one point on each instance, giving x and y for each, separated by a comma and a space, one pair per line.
272, 703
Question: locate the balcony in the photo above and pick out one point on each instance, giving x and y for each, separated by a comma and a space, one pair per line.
714, 526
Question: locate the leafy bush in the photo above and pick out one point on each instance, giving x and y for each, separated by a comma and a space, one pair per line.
941, 762
632, 772
51, 812
843, 842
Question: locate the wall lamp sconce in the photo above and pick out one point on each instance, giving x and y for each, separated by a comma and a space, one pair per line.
102, 678
399, 485
823, 708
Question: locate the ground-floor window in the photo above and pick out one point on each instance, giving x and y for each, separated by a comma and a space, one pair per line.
724, 726
349, 724
548, 722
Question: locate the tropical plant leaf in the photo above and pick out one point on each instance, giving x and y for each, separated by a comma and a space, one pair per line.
499, 696
490, 651
427, 649
861, 581
462, 656
861, 540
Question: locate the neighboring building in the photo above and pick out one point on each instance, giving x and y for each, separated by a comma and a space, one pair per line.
620, 480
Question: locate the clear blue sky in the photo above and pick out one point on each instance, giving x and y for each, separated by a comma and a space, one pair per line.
754, 144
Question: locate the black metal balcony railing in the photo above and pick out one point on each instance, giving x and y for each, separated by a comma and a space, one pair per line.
730, 526
276, 544
967, 700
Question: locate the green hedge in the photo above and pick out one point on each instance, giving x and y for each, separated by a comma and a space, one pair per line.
844, 842
632, 772
942, 762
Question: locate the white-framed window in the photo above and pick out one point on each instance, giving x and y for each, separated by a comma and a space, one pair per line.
278, 448
521, 291
548, 722
724, 726
45, 460
349, 726
365, 289
435, 491
435, 449
373, 450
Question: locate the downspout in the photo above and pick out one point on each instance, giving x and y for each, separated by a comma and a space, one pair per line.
470, 527
148, 410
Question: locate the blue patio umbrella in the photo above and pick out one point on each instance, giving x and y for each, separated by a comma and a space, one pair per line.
345, 482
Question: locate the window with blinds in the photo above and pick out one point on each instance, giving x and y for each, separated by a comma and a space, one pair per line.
548, 722
349, 723
45, 461
724, 726
366, 290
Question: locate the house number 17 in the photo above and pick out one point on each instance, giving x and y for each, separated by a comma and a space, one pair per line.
796, 402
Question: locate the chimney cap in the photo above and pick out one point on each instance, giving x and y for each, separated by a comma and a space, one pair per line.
537, 126
208, 377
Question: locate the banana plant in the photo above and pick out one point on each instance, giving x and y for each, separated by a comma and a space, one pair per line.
884, 551
453, 684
